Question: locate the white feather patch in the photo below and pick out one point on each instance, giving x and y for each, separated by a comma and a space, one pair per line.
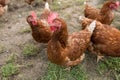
92, 26
47, 6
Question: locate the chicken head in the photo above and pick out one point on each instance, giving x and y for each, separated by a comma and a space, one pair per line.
114, 5
32, 19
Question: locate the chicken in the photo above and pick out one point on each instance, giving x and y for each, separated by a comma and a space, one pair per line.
46, 12
40, 27
105, 14
76, 44
4, 2
50, 1
3, 6
40, 33
29, 1
1, 10
105, 39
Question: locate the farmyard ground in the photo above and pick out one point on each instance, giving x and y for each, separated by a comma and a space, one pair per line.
21, 58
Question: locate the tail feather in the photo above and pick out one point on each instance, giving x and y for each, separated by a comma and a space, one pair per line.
92, 26
47, 6
85, 2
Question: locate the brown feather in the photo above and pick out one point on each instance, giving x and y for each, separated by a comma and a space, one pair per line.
105, 39
40, 32
104, 15
75, 46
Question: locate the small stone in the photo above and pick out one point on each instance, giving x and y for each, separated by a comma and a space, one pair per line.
19, 16
59, 2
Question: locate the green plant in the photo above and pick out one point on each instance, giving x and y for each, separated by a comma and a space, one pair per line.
9, 69
2, 48
101, 68
110, 64
30, 50
79, 73
25, 30
56, 72
11, 58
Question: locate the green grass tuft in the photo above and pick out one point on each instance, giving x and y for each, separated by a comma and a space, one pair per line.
30, 50
56, 72
101, 68
2, 49
11, 58
78, 73
55, 6
112, 65
9, 70
26, 30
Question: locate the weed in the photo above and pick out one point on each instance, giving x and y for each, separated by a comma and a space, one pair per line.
11, 58
25, 30
9, 70
2, 49
78, 73
30, 50
112, 65
101, 68
56, 72
55, 6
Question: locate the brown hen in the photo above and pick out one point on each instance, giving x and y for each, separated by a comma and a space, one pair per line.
76, 44
105, 14
105, 39
4, 2
3, 6
29, 1
1, 10
40, 27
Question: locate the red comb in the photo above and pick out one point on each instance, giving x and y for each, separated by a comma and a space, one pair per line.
34, 14
118, 3
52, 16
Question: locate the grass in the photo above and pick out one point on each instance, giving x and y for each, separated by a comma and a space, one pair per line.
11, 58
9, 70
55, 6
56, 72
30, 50
2, 48
78, 73
65, 4
112, 65
25, 30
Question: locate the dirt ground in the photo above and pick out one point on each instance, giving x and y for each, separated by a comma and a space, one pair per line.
12, 39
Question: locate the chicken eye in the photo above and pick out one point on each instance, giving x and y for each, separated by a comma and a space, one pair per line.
30, 19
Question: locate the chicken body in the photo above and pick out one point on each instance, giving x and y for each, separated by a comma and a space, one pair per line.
50, 1
29, 1
46, 12
105, 15
105, 39
41, 33
1, 10
4, 2
76, 43
40, 27
3, 6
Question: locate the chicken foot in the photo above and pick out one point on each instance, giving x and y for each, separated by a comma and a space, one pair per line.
96, 52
